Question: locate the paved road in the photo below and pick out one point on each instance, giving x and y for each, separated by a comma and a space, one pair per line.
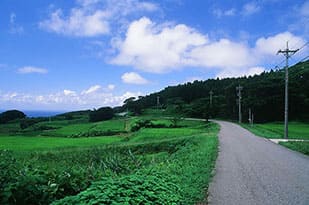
251, 170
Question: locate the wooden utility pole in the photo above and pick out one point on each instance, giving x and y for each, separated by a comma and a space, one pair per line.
287, 53
158, 102
239, 89
210, 97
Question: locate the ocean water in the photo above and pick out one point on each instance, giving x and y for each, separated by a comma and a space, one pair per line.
39, 113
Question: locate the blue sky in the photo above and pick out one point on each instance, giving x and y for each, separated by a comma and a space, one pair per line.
84, 54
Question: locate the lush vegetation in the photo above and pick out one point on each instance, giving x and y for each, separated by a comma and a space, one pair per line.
164, 161
11, 115
103, 113
302, 147
263, 94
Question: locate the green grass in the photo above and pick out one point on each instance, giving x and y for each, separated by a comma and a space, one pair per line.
297, 130
302, 147
153, 134
66, 131
179, 177
175, 162
19, 143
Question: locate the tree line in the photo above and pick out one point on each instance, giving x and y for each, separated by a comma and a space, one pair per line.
263, 94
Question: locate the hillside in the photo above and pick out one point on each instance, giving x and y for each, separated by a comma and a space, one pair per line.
263, 94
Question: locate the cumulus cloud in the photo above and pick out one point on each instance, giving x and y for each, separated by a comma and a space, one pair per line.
223, 53
65, 100
270, 45
155, 48
133, 78
32, 69
161, 48
92, 17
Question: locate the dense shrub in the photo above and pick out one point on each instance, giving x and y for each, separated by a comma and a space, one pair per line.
96, 133
11, 115
104, 113
139, 188
147, 124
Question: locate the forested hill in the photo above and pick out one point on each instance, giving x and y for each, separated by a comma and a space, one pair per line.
263, 94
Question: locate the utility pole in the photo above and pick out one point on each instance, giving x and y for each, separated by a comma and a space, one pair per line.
210, 97
287, 53
239, 89
158, 102
250, 116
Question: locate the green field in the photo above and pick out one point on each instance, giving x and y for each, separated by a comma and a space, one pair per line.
159, 162
297, 130
19, 143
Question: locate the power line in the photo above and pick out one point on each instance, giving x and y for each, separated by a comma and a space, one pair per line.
300, 48
302, 60
304, 45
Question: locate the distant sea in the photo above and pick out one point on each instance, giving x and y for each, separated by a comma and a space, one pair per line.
39, 113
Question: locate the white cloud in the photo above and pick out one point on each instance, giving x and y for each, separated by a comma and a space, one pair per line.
133, 78
230, 72
162, 48
65, 100
192, 79
223, 54
221, 13
93, 17
155, 48
250, 8
271, 45
69, 92
92, 89
32, 69
78, 23
14, 27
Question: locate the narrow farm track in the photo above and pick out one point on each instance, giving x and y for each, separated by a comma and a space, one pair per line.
252, 170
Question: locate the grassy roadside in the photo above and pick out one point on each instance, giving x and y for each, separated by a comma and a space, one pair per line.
302, 147
297, 130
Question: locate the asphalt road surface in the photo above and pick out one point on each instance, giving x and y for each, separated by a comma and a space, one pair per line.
251, 170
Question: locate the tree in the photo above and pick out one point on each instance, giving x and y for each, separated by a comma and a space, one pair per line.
104, 113
11, 115
133, 105
263, 94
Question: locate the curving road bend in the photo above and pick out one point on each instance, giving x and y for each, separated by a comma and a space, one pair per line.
251, 170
